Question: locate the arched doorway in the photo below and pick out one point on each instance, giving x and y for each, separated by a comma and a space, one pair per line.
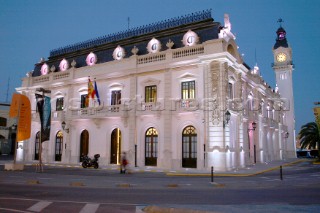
151, 147
58, 148
189, 147
37, 146
84, 143
115, 146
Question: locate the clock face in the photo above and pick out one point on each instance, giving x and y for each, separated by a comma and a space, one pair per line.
190, 38
44, 69
64, 65
118, 53
91, 59
281, 57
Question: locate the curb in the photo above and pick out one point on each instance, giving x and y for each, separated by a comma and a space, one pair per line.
235, 175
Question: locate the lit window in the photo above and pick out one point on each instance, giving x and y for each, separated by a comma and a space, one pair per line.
151, 93
59, 104
188, 90
83, 101
115, 97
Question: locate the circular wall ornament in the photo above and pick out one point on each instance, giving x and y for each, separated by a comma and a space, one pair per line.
44, 69
190, 38
91, 59
118, 53
64, 65
154, 46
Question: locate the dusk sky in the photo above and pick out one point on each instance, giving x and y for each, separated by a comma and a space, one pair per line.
30, 29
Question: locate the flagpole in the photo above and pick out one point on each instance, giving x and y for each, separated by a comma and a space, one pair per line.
40, 138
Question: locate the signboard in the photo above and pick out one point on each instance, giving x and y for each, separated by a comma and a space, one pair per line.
20, 107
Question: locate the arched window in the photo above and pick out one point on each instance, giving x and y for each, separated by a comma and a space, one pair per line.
84, 143
36, 146
151, 147
59, 143
189, 147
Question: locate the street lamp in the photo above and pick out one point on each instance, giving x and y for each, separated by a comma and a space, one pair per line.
286, 134
64, 125
227, 116
253, 128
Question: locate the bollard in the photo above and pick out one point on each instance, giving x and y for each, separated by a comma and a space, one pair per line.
281, 173
211, 174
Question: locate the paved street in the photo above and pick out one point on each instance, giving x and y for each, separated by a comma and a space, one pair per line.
105, 190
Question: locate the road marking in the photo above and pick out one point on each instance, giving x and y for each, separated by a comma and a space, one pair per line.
90, 208
38, 207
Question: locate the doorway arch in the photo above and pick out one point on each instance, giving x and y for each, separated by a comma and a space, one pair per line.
58, 147
189, 147
115, 148
151, 147
84, 143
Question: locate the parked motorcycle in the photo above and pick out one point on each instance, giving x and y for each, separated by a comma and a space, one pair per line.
88, 162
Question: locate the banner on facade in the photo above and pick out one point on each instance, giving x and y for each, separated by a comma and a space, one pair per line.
44, 109
20, 107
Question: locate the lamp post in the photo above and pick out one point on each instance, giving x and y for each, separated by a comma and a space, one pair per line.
13, 129
66, 129
227, 116
253, 128
64, 125
285, 136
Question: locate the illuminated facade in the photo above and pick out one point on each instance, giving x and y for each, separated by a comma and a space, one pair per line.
174, 95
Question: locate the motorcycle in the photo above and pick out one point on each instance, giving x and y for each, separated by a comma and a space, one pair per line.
88, 162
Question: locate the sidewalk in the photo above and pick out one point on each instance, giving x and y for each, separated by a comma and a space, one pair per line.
251, 170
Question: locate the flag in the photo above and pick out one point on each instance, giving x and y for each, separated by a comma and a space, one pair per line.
90, 94
44, 109
20, 107
96, 93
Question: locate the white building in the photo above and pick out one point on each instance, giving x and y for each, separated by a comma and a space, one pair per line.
167, 91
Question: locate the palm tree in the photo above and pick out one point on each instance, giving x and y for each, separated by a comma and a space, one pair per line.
309, 136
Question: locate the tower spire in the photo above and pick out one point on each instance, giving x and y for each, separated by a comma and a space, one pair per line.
280, 20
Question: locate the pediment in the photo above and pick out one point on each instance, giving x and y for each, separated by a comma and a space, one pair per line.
150, 81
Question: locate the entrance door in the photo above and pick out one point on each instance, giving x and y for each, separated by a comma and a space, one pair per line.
189, 147
58, 149
115, 146
151, 149
84, 143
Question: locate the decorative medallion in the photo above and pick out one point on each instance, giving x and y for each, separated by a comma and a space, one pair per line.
154, 46
190, 38
44, 69
91, 59
64, 65
118, 53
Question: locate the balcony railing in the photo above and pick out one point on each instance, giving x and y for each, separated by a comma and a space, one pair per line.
98, 112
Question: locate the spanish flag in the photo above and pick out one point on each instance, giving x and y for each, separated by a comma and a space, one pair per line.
90, 94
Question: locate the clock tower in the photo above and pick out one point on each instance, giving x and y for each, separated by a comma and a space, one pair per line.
283, 68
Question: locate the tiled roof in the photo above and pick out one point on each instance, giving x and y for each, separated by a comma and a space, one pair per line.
154, 27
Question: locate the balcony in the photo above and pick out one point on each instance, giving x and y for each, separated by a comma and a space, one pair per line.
98, 112
145, 108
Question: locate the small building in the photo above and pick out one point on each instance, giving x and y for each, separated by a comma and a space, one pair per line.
7, 131
175, 94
